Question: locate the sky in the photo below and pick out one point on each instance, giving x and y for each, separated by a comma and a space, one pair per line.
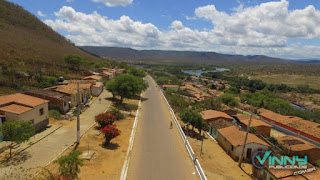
285, 28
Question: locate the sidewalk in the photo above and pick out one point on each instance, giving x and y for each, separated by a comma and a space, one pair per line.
41, 153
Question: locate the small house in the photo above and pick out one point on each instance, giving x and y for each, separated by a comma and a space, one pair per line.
25, 108
94, 78
262, 128
231, 140
56, 100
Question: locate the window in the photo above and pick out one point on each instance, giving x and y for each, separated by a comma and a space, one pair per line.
41, 111
231, 147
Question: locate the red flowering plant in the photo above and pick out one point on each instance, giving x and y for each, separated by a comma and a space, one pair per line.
105, 119
110, 132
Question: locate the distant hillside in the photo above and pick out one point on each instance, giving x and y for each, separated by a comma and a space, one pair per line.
179, 56
23, 36
33, 46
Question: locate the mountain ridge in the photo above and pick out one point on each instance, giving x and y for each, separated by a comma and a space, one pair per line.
179, 56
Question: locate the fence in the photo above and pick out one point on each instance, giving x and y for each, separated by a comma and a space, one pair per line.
186, 142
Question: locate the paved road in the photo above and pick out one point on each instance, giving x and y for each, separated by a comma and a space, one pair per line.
158, 152
39, 154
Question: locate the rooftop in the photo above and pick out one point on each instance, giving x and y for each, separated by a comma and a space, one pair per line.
170, 86
48, 93
15, 108
22, 99
236, 137
213, 114
295, 144
293, 121
95, 77
255, 122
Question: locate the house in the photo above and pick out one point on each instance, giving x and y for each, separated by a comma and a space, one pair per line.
25, 108
173, 87
97, 89
93, 77
70, 90
229, 111
299, 147
56, 100
231, 140
120, 71
216, 120
262, 128
211, 115
267, 173
293, 125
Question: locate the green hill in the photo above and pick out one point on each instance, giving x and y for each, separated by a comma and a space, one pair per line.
29, 48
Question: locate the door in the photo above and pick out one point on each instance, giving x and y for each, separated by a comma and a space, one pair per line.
249, 153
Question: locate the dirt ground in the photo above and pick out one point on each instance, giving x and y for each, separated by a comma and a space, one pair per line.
216, 163
106, 162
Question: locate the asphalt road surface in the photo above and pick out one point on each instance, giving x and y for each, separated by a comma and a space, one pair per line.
158, 151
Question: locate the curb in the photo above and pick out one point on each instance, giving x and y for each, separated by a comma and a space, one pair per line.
131, 140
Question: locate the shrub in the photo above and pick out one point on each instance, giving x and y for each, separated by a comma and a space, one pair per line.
116, 112
229, 100
110, 132
54, 114
69, 165
105, 119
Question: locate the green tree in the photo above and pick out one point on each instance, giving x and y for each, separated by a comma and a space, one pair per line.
73, 60
17, 132
162, 80
137, 72
126, 86
69, 165
229, 99
191, 117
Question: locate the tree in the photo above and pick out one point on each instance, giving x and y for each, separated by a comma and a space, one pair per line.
110, 132
137, 72
104, 119
17, 132
191, 117
73, 60
69, 165
162, 80
126, 86
229, 99
200, 124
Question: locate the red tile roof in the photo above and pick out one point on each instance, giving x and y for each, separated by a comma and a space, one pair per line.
15, 108
213, 114
95, 77
236, 137
22, 99
255, 122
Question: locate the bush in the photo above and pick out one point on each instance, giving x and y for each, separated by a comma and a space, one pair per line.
116, 112
229, 100
105, 119
110, 132
54, 114
69, 165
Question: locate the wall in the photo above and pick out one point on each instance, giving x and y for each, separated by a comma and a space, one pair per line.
96, 91
294, 131
40, 121
235, 153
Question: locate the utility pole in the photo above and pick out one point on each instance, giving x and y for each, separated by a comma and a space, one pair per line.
244, 142
78, 113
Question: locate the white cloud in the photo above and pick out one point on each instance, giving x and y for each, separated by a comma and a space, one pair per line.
264, 29
41, 14
69, 1
112, 3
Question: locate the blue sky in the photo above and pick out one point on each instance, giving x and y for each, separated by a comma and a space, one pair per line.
284, 28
